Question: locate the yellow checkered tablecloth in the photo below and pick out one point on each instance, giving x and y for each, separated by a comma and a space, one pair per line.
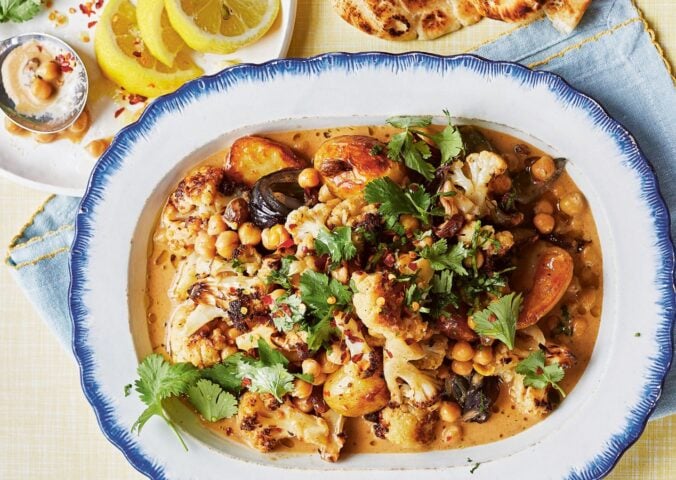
47, 429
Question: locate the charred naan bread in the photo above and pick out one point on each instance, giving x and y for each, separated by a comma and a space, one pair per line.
566, 14
407, 19
429, 19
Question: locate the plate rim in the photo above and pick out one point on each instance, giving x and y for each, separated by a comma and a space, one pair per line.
598, 466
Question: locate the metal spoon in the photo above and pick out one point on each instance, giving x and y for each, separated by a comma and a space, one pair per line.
47, 121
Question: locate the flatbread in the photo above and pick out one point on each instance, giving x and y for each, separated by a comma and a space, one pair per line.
509, 10
400, 19
429, 19
566, 14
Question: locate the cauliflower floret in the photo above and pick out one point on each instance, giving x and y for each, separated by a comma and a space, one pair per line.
189, 342
420, 388
249, 340
487, 239
336, 423
190, 270
434, 350
408, 426
264, 422
350, 211
187, 212
379, 303
482, 168
410, 264
304, 224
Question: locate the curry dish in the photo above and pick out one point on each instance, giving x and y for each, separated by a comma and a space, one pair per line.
374, 289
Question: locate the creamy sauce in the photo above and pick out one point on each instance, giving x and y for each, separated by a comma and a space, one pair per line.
583, 299
74, 133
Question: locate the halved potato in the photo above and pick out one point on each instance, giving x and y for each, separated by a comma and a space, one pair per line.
347, 163
253, 157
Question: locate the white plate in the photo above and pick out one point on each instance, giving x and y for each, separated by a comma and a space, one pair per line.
582, 439
63, 167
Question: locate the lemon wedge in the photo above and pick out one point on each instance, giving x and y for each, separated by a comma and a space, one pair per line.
156, 31
221, 26
126, 60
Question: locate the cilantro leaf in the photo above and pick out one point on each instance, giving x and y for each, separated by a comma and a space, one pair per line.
443, 258
281, 276
408, 121
441, 288
287, 311
337, 244
415, 153
319, 334
537, 374
449, 141
395, 200
18, 10
321, 295
269, 356
212, 401
159, 380
274, 379
225, 373
498, 320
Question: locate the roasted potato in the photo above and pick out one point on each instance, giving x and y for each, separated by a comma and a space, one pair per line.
347, 163
252, 157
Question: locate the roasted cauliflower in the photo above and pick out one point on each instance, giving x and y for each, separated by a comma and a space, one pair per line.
407, 426
470, 180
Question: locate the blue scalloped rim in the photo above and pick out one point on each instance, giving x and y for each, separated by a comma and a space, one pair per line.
120, 436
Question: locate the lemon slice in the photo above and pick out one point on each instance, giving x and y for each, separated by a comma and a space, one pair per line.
221, 26
125, 59
156, 31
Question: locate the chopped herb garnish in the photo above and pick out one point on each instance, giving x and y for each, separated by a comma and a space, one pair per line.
408, 145
443, 258
395, 200
212, 401
337, 244
537, 374
498, 320
281, 276
565, 326
376, 150
287, 311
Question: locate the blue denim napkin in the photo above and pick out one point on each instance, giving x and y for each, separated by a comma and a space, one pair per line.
611, 56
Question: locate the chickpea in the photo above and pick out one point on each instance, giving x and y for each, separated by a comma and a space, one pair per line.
13, 128
451, 433
462, 368
544, 206
319, 379
81, 124
41, 89
483, 356
579, 327
587, 298
462, 351
303, 404
309, 178
205, 245
233, 333
543, 168
274, 236
449, 412
341, 274
301, 388
226, 244
501, 184
477, 260
574, 287
590, 256
311, 366
249, 234
49, 71
227, 351
443, 372
216, 225
409, 222
572, 204
544, 223
95, 148
327, 365
324, 194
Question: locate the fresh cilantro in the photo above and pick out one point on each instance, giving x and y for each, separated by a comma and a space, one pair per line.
408, 147
498, 320
212, 401
319, 334
443, 258
441, 287
565, 326
395, 200
287, 311
281, 276
18, 10
449, 141
238, 265
474, 467
274, 379
306, 377
322, 294
475, 285
337, 244
226, 374
637, 334
376, 150
127, 389
159, 380
268, 356
539, 375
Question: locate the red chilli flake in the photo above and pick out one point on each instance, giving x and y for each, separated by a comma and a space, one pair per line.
118, 112
98, 4
137, 54
65, 62
91, 24
86, 9
135, 98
